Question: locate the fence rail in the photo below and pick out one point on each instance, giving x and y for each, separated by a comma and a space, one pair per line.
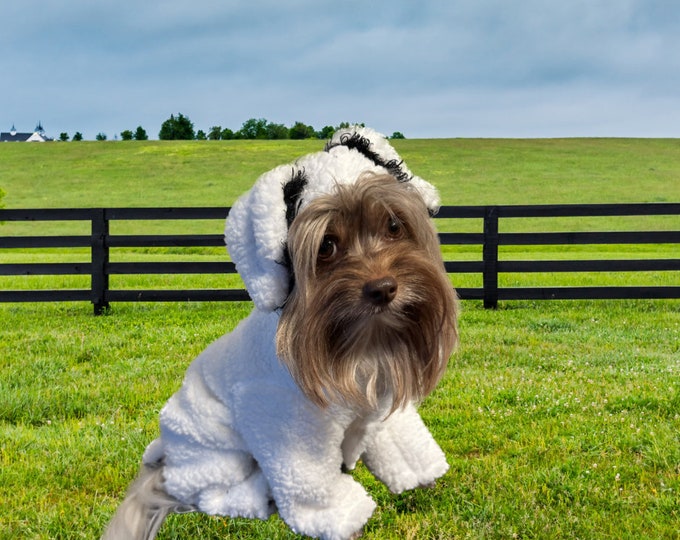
101, 241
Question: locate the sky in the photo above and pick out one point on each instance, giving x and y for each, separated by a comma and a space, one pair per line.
425, 68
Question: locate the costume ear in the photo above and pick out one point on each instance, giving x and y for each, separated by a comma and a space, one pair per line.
255, 235
375, 147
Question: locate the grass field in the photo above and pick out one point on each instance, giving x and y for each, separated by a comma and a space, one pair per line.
559, 419
214, 173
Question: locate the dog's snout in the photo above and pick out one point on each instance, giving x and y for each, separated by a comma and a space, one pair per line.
380, 291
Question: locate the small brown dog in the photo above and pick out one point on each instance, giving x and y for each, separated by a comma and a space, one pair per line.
270, 417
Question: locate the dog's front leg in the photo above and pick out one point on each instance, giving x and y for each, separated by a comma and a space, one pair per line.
401, 452
298, 447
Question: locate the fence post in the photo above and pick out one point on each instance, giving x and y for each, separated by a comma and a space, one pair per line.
100, 260
490, 257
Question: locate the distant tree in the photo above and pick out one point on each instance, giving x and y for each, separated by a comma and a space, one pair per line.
302, 131
101, 136
180, 128
126, 135
345, 125
63, 136
326, 132
277, 131
397, 135
78, 136
215, 133
140, 134
253, 128
227, 134
201, 136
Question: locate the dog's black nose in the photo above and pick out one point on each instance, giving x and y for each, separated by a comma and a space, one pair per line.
380, 291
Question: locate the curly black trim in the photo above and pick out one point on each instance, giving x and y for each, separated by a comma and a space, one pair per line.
292, 194
362, 145
292, 197
288, 263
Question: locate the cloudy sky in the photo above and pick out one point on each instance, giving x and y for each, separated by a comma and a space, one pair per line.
427, 68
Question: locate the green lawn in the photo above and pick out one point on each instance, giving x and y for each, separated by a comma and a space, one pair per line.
559, 419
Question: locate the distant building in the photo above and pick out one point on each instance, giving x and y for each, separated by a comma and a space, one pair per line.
14, 136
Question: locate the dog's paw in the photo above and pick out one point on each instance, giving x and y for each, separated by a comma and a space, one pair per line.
341, 516
250, 499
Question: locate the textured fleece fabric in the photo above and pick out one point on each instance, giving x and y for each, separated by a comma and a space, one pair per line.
240, 439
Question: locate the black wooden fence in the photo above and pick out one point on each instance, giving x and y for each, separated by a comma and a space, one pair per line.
100, 241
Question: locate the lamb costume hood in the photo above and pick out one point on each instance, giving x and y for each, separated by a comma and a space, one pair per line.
239, 438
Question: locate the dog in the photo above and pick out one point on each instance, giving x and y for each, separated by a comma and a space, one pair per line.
353, 326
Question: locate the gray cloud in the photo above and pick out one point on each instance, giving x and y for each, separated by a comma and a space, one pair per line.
431, 68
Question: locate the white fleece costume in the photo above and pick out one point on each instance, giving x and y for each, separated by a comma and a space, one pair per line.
239, 438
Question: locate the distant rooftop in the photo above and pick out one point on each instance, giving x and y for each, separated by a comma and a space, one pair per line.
35, 136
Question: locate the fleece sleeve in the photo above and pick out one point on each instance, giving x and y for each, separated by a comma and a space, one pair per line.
402, 453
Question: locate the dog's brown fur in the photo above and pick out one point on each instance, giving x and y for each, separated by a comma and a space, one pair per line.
372, 313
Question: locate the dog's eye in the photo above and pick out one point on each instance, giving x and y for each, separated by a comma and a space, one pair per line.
395, 228
328, 248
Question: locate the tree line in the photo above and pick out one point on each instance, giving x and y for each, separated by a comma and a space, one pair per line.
139, 135
180, 127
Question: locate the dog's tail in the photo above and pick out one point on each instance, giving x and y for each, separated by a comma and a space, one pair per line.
144, 509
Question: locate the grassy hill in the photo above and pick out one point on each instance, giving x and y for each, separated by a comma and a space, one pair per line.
466, 171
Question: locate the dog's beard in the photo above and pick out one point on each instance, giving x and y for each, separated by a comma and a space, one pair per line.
385, 351
340, 346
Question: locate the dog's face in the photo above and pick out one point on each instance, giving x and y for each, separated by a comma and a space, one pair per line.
372, 313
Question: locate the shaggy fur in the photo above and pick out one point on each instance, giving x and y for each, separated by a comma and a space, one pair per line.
271, 416
371, 293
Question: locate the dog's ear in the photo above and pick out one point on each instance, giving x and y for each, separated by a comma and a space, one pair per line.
257, 227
